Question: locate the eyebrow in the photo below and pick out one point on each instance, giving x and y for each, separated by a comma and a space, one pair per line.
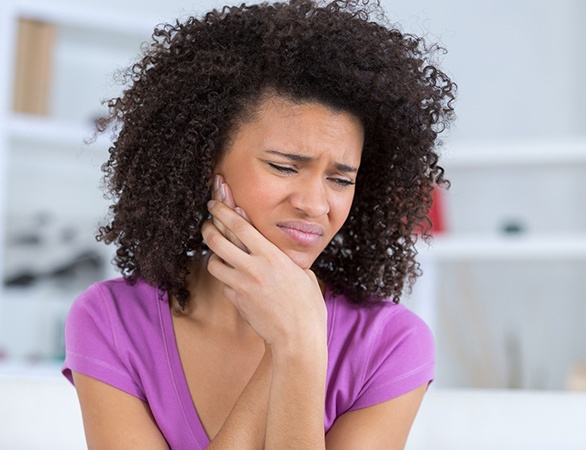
302, 158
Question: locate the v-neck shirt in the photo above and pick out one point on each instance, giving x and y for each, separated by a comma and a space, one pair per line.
122, 334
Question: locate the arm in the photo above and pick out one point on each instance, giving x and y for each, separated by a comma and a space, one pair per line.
114, 419
285, 306
297, 397
295, 415
245, 427
383, 426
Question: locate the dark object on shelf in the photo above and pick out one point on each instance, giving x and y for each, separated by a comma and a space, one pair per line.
44, 247
513, 227
85, 262
21, 280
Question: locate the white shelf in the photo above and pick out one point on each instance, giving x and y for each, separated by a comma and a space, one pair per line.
85, 18
515, 154
41, 129
510, 248
41, 370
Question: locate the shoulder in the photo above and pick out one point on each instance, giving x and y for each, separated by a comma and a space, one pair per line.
114, 310
382, 324
377, 352
117, 290
106, 329
116, 298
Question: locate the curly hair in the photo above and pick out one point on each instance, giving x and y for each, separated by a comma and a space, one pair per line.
199, 79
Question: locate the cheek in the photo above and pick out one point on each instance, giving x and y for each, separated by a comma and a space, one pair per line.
253, 193
340, 209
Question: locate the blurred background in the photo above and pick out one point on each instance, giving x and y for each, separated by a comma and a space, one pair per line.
504, 281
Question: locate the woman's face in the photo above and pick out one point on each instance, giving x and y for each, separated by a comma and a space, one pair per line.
292, 170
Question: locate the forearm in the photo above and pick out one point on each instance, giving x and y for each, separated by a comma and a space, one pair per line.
245, 427
296, 401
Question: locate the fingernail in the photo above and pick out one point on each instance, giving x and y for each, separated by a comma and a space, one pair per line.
222, 191
216, 182
211, 204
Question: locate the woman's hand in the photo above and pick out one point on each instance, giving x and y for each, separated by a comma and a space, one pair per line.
222, 192
281, 301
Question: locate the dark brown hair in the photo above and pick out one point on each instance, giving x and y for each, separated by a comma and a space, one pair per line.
197, 80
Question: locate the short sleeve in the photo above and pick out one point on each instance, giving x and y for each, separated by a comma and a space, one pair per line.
91, 345
401, 358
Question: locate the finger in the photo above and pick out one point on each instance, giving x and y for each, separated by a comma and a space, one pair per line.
242, 229
222, 192
216, 195
220, 245
228, 196
223, 272
228, 199
240, 211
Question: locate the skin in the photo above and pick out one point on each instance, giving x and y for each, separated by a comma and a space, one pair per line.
282, 191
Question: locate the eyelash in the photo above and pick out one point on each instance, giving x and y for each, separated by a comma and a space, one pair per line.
282, 169
342, 182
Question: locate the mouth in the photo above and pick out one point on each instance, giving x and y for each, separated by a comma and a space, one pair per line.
304, 233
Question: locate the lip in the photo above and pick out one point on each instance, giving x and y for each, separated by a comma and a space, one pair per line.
305, 233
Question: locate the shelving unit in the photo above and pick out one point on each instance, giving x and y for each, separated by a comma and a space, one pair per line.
23, 127
46, 169
506, 284
507, 248
516, 154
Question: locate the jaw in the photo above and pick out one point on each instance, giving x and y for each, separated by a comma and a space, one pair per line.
303, 258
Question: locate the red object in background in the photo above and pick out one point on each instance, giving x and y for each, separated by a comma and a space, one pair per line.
436, 213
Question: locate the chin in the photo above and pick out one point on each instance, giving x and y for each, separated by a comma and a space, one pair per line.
303, 260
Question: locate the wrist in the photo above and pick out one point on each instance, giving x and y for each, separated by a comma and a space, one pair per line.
310, 351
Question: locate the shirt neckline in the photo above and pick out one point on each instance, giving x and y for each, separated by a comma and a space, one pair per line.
178, 374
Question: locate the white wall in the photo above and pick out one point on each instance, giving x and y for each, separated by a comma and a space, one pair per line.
519, 64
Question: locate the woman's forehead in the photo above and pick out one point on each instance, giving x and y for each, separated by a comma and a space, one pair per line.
304, 129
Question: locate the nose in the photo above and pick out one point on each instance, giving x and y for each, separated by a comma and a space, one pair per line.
310, 198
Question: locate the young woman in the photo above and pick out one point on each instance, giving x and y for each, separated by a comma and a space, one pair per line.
272, 166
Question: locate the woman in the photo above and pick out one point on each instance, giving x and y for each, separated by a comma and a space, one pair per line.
272, 166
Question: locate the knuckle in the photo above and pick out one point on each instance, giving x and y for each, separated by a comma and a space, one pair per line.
213, 240
239, 225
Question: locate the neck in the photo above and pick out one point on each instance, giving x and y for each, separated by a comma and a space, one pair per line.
208, 306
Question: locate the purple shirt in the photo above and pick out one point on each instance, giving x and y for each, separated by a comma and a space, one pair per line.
123, 335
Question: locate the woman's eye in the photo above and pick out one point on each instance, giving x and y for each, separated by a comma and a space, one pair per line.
344, 182
283, 169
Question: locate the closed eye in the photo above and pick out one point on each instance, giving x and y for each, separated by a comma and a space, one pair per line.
282, 169
344, 182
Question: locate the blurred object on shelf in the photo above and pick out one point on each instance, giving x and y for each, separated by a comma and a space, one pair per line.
436, 213
501, 200
577, 378
513, 226
32, 76
45, 249
509, 323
